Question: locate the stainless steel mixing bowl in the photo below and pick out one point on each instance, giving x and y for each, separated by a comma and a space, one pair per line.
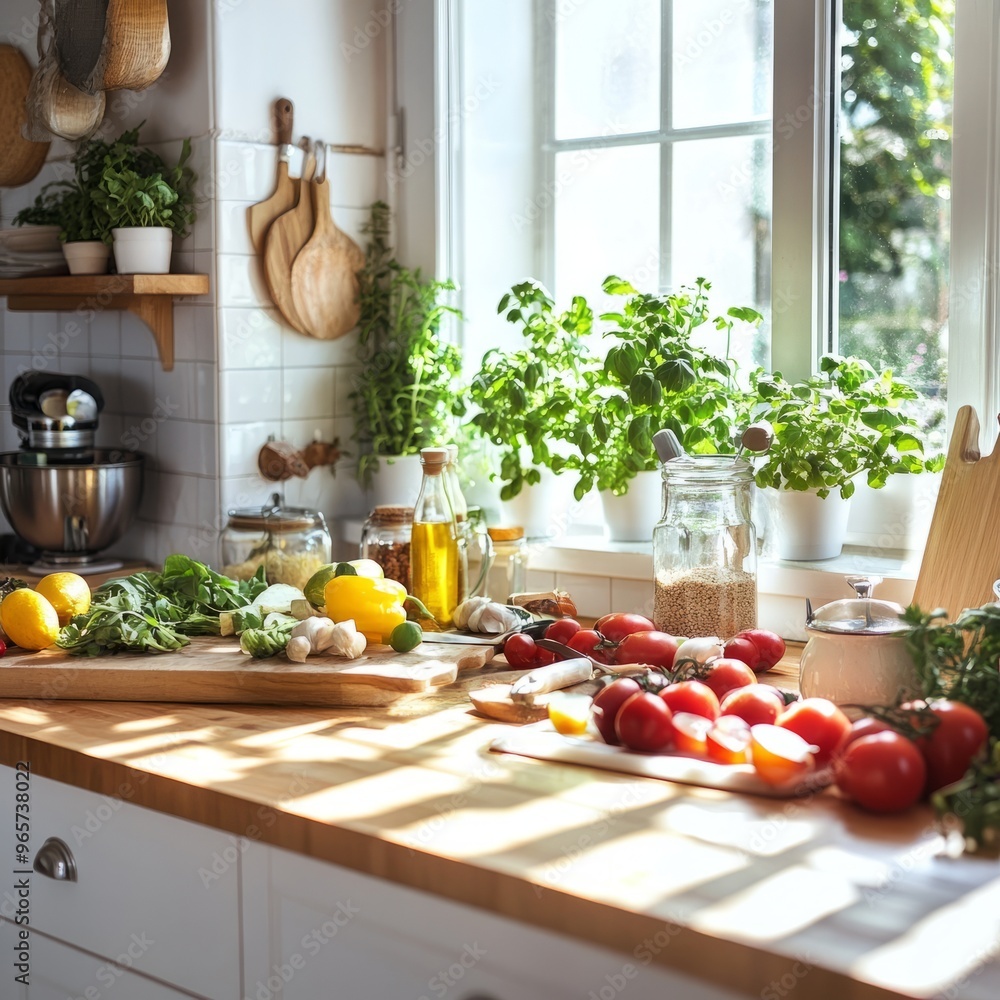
72, 510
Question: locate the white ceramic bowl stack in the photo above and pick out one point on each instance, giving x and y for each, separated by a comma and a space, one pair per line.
31, 251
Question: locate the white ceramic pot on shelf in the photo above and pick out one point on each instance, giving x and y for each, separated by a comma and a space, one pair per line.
632, 516
143, 250
396, 481
87, 256
804, 526
542, 508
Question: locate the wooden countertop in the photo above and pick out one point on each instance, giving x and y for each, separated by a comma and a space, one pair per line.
809, 898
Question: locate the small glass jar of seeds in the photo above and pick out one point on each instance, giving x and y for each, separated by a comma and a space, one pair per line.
705, 548
385, 538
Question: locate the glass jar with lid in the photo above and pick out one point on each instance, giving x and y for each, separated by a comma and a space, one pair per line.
385, 538
705, 548
291, 543
508, 574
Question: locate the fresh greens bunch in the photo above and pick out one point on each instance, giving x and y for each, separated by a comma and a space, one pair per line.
846, 420
406, 394
656, 377
135, 187
529, 399
156, 612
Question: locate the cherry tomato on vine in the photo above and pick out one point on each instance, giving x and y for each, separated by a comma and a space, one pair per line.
607, 701
769, 648
819, 722
861, 728
723, 675
780, 756
690, 734
523, 653
693, 697
728, 741
620, 624
563, 630
950, 748
645, 723
753, 703
884, 772
591, 642
652, 647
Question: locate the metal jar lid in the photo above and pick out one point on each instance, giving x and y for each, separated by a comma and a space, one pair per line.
275, 518
860, 615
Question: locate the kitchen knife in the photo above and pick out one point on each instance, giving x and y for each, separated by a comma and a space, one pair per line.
551, 677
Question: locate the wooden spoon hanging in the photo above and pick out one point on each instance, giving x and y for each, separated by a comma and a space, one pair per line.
286, 237
324, 275
261, 216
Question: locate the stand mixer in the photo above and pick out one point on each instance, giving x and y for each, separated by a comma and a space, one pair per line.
60, 493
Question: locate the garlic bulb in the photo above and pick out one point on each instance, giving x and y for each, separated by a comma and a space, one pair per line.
480, 614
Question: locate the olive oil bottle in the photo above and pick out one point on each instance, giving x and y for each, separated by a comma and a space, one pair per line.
434, 541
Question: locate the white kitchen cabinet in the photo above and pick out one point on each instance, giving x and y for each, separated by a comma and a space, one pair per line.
158, 894
59, 972
317, 930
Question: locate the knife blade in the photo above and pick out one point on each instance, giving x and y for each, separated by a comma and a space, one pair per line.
469, 639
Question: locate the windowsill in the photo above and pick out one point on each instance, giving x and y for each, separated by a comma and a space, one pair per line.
783, 585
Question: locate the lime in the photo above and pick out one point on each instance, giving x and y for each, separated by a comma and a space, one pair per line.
406, 636
29, 620
68, 593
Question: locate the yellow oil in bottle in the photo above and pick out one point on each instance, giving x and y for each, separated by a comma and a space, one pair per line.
434, 567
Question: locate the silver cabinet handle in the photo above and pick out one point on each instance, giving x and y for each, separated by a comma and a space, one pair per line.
55, 860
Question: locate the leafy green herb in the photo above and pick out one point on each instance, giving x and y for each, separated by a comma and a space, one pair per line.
829, 428
406, 395
262, 643
8, 584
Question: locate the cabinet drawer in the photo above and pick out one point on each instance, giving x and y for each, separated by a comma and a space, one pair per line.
161, 891
59, 972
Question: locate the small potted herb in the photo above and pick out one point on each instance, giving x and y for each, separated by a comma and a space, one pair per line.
846, 421
145, 201
406, 395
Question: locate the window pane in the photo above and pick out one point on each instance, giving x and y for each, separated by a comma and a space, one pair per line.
607, 72
721, 61
606, 219
721, 226
895, 183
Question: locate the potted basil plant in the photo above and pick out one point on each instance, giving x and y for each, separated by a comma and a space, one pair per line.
843, 423
145, 201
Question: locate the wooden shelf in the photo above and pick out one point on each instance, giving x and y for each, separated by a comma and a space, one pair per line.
148, 296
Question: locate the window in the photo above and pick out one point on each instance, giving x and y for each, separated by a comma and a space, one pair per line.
644, 137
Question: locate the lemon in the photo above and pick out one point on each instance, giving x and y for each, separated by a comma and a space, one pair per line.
68, 593
570, 713
29, 620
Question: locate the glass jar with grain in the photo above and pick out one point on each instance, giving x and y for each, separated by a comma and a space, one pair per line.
705, 548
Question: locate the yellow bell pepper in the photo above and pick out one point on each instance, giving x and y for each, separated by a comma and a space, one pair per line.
376, 605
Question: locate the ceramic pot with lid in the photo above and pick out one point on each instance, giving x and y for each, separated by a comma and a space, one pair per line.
856, 653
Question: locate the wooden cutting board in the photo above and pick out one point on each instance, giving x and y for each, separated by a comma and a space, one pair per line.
213, 670
282, 199
962, 556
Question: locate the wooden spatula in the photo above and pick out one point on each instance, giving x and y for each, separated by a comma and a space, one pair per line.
324, 278
962, 557
288, 234
261, 216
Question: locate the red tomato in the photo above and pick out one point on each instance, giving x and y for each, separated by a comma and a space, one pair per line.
955, 741
606, 704
723, 675
618, 625
563, 630
770, 647
754, 704
3, 647
819, 722
779, 755
883, 772
863, 727
644, 723
590, 643
690, 734
693, 697
739, 648
523, 653
652, 647
728, 740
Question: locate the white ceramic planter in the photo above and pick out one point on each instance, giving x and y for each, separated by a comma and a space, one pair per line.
805, 527
143, 250
87, 257
898, 516
541, 509
632, 516
396, 481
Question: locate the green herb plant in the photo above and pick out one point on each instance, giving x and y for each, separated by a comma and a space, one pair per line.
528, 399
655, 376
406, 395
829, 428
